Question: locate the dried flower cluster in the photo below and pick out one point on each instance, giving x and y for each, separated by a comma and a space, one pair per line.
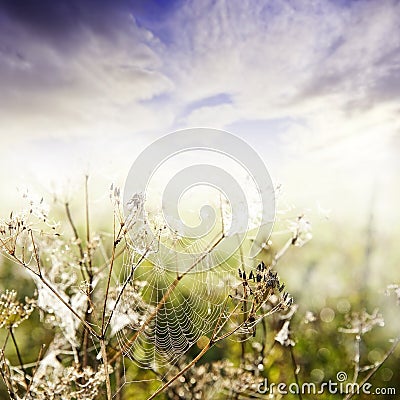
395, 289
218, 380
362, 322
68, 383
301, 231
262, 294
13, 312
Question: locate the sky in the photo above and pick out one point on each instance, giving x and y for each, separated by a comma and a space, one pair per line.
313, 86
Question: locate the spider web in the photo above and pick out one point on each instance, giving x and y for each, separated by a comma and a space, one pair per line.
184, 281
190, 311
175, 308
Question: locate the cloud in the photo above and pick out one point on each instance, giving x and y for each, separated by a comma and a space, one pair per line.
76, 68
290, 59
131, 70
330, 69
364, 58
63, 21
132, 66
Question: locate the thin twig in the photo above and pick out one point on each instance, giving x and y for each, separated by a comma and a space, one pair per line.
36, 253
115, 244
87, 226
283, 250
89, 270
59, 297
19, 358
182, 371
36, 367
5, 341
6, 374
357, 357
295, 370
263, 339
77, 239
105, 364
127, 280
85, 323
373, 371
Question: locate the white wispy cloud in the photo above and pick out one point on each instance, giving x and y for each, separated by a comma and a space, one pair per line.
94, 87
328, 69
278, 59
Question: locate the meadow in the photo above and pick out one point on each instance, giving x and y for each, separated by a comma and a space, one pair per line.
86, 312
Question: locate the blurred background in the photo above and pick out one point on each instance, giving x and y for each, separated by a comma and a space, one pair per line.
313, 86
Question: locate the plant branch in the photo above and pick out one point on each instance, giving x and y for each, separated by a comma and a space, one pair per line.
36, 253
85, 323
105, 364
373, 371
115, 244
182, 371
88, 227
295, 369
127, 280
19, 358
76, 238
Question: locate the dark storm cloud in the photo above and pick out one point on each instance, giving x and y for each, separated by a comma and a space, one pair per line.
62, 21
65, 60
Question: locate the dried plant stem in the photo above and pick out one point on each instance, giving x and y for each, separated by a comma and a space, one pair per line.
373, 370
127, 280
245, 311
5, 374
295, 370
357, 357
5, 340
85, 339
283, 250
89, 270
263, 339
118, 370
36, 367
105, 363
118, 253
84, 346
182, 371
77, 239
84, 322
50, 287
35, 250
19, 358
89, 266
115, 243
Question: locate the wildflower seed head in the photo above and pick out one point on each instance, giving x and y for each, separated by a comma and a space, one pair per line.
12, 312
